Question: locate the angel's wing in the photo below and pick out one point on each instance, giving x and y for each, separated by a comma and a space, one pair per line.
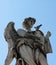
10, 33
11, 36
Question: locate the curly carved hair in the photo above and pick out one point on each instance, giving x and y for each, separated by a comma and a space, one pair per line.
28, 23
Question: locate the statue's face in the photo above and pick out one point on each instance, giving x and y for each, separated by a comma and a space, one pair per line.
31, 22
28, 23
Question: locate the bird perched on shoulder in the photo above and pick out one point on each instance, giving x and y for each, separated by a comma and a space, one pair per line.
38, 27
28, 23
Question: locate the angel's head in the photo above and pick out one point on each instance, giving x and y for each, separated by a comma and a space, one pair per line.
28, 23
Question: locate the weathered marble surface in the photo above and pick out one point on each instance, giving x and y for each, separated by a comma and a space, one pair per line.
28, 47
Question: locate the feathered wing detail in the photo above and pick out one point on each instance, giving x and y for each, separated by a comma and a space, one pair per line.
11, 36
10, 32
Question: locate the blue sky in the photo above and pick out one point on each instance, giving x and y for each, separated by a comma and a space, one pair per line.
16, 10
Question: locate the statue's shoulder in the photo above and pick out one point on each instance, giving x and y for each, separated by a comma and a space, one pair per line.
21, 32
